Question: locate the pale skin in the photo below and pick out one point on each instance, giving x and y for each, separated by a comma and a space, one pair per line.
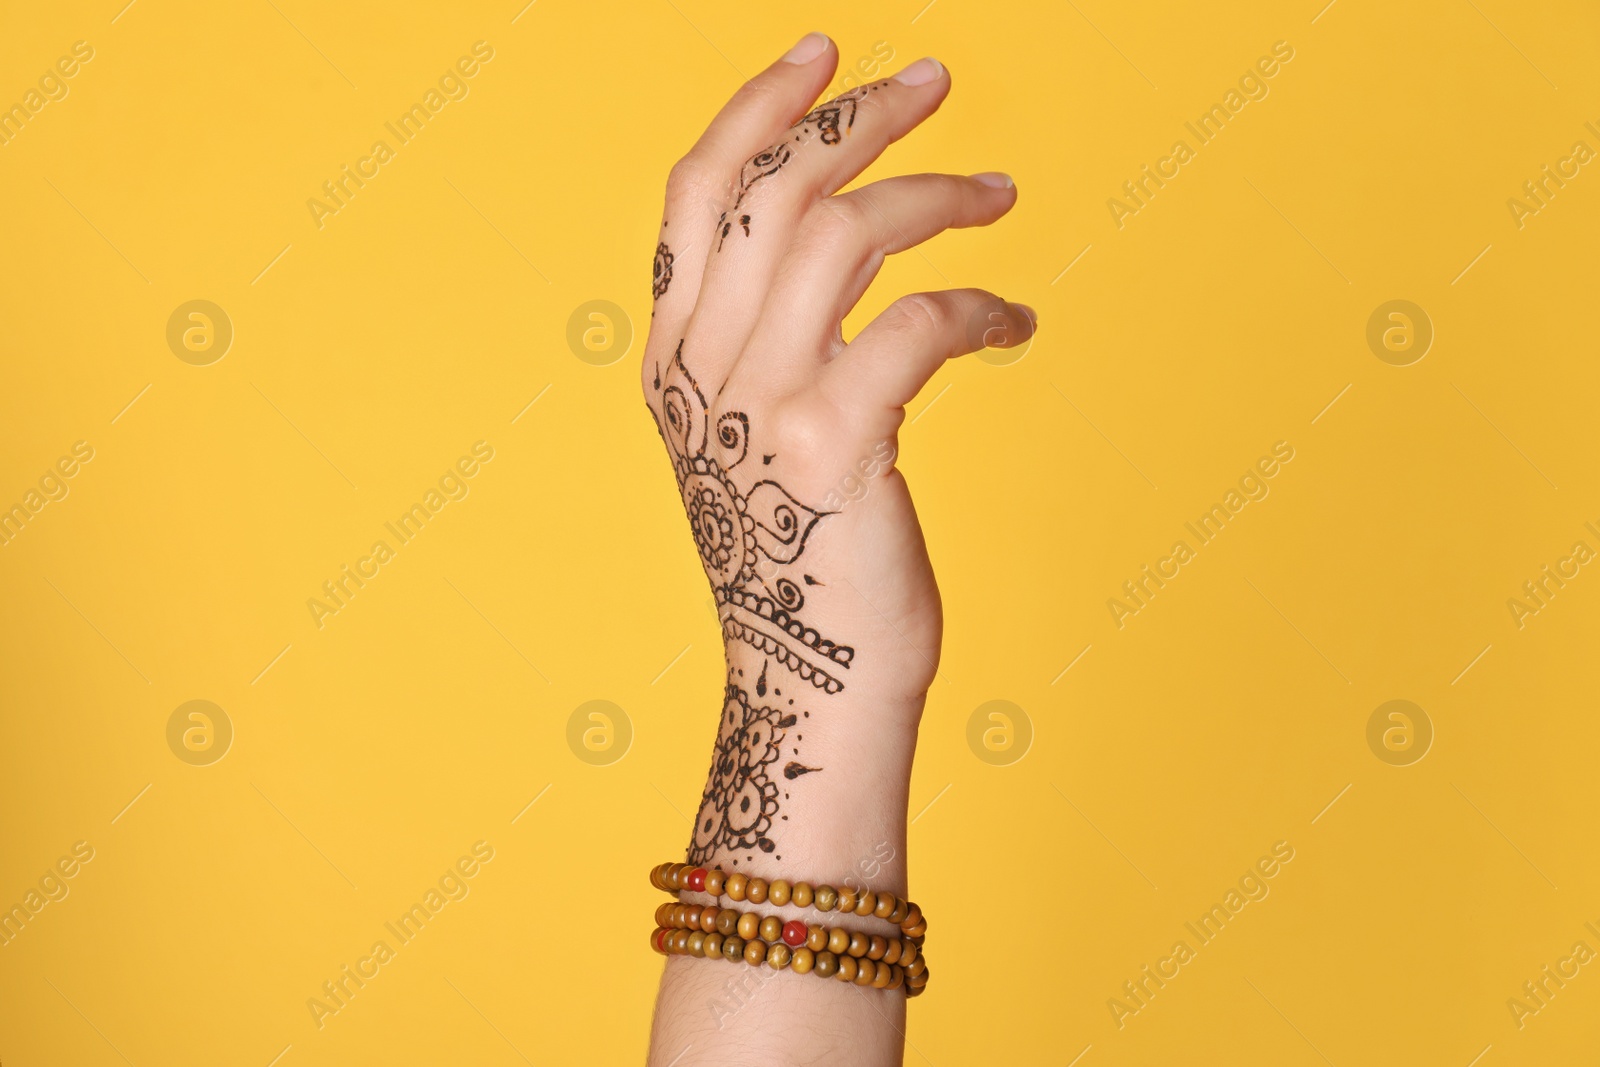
767, 412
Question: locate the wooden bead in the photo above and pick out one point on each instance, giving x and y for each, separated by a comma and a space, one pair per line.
778, 893
868, 901
916, 967
749, 925
915, 930
897, 978
908, 953
771, 929
877, 947
778, 956
680, 941
847, 969
664, 914
732, 948
913, 916
826, 897
891, 952
898, 915
714, 881
676, 874
803, 960
858, 944
727, 921
800, 895
847, 900
827, 964
708, 917
816, 937
886, 905
755, 953
838, 940
713, 946
697, 943
755, 891
735, 886
866, 971
882, 976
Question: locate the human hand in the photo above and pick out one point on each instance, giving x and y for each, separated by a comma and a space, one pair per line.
783, 437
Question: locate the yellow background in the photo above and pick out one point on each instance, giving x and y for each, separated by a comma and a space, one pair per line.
371, 353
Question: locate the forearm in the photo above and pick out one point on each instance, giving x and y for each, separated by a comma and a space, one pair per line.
841, 822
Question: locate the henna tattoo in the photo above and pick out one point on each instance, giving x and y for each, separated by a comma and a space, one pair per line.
662, 273
829, 122
744, 538
741, 799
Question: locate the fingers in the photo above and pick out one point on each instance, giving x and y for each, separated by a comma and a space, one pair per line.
697, 188
778, 186
895, 355
843, 242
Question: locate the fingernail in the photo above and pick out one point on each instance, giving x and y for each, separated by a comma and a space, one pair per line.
994, 179
808, 48
921, 72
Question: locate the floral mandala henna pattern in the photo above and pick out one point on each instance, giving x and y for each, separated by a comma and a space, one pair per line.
830, 122
745, 538
741, 798
662, 274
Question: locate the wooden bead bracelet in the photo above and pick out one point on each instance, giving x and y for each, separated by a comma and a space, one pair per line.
778, 955
772, 929
679, 877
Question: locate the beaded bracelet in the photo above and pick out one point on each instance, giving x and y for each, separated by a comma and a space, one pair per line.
794, 933
823, 964
676, 877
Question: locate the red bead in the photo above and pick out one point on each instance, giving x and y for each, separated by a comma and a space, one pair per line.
661, 942
794, 933
697, 879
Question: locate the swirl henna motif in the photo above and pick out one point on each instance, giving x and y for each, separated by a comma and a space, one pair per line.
744, 538
829, 122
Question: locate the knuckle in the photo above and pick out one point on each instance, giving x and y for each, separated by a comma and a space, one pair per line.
687, 177
833, 225
920, 313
